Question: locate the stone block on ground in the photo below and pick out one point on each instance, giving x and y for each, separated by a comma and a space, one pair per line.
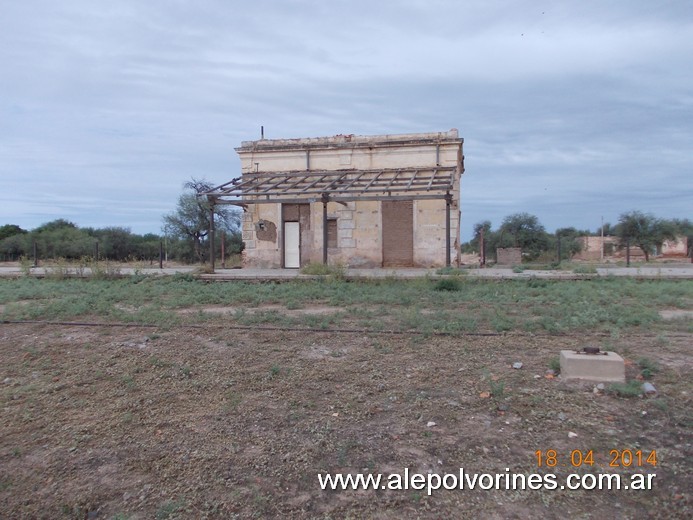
604, 367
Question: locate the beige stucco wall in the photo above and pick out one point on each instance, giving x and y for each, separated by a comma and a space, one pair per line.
429, 232
350, 152
591, 247
359, 223
262, 253
678, 247
508, 256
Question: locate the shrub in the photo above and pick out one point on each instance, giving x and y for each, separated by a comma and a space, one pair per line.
648, 368
555, 364
448, 284
629, 389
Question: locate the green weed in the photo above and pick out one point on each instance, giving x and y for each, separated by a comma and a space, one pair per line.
167, 509
233, 399
335, 270
450, 305
448, 284
452, 271
555, 364
648, 368
662, 340
629, 389
497, 389
585, 269
25, 265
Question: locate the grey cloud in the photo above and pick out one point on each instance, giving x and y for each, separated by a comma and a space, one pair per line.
114, 106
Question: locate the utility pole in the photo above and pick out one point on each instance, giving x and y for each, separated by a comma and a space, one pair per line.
482, 248
601, 253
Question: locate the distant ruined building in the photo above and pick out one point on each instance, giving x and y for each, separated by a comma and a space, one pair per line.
591, 248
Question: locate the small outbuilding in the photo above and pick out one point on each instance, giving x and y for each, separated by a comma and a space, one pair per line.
360, 201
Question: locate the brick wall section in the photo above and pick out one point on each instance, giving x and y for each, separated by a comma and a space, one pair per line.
508, 256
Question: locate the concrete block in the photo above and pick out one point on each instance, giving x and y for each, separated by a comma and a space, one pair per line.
607, 367
247, 235
346, 224
347, 242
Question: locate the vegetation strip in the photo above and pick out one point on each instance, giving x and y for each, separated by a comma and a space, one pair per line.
247, 327
456, 305
333, 331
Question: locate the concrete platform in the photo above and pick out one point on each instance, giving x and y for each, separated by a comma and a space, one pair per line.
680, 272
603, 367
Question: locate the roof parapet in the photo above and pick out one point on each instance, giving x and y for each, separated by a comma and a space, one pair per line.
352, 141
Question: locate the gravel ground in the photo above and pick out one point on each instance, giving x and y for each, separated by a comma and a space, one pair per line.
109, 422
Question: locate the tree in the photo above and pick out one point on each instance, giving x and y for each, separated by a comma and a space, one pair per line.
607, 229
484, 225
526, 233
13, 247
684, 227
645, 231
9, 230
55, 225
570, 241
117, 243
190, 221
61, 239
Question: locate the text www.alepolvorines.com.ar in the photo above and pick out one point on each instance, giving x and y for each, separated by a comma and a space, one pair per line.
485, 481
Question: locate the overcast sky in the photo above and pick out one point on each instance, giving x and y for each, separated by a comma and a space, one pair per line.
570, 110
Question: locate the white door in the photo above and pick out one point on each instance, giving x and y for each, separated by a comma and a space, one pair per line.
292, 247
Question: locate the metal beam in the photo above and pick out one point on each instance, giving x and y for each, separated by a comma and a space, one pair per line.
346, 188
414, 174
333, 198
372, 181
325, 199
319, 190
448, 202
211, 235
392, 180
309, 186
433, 176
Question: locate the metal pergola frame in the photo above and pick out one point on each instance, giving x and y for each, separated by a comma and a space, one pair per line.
310, 186
345, 185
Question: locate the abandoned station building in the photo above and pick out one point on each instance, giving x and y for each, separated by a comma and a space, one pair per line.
361, 201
